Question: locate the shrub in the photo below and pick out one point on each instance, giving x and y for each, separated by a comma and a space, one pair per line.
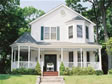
38, 69
62, 68
99, 72
67, 71
110, 71
83, 71
24, 71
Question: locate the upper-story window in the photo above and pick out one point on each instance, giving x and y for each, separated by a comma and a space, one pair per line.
79, 31
70, 31
47, 33
53, 33
87, 32
50, 33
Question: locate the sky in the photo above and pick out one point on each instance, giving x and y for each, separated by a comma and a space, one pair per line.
44, 5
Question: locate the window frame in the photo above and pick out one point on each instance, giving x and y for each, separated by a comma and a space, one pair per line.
70, 33
80, 33
87, 32
45, 33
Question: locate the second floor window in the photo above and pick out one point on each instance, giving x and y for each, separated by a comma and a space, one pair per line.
50, 33
70, 31
87, 32
53, 32
47, 33
79, 31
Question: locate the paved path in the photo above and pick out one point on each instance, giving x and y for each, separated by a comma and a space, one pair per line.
52, 80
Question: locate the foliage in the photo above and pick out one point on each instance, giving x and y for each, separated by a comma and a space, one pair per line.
83, 71
67, 71
14, 21
110, 71
37, 68
99, 72
24, 71
62, 68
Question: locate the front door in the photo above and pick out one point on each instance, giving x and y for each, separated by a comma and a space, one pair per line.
50, 58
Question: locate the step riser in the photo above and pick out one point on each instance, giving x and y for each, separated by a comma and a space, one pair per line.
50, 73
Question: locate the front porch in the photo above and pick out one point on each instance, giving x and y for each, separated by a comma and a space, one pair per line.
34, 54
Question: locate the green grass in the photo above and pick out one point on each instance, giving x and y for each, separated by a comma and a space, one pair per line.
91, 79
17, 79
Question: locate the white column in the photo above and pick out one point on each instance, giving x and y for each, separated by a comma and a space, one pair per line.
100, 60
81, 56
39, 55
28, 56
11, 58
18, 56
61, 54
84, 58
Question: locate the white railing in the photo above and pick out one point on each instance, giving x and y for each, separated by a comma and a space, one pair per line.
24, 64
95, 65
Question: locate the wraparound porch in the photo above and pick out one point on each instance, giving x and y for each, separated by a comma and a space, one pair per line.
35, 53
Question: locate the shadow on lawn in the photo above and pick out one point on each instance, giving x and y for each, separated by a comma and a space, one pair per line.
7, 76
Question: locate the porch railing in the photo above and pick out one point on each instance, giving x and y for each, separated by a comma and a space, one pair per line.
95, 65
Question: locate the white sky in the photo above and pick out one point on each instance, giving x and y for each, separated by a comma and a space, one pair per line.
45, 5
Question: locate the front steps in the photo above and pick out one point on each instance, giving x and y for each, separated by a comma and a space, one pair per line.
52, 80
50, 73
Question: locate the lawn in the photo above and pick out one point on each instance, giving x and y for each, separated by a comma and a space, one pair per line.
92, 79
17, 79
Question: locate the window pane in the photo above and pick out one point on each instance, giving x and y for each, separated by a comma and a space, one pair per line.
87, 32
70, 31
88, 57
53, 32
79, 31
46, 33
70, 56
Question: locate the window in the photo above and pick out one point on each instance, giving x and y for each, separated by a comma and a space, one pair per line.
79, 31
53, 32
87, 32
79, 56
70, 31
70, 56
88, 57
47, 33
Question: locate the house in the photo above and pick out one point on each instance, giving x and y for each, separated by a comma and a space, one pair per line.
61, 35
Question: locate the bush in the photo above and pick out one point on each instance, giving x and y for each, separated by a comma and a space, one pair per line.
62, 68
67, 71
99, 72
83, 71
24, 71
38, 69
110, 71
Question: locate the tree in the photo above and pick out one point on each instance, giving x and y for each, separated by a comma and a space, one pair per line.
13, 22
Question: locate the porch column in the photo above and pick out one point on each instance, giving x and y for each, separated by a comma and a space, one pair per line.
81, 56
39, 55
61, 54
84, 58
28, 56
11, 57
18, 56
100, 60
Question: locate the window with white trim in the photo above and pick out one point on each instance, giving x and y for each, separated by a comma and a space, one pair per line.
53, 33
79, 31
50, 33
70, 31
47, 33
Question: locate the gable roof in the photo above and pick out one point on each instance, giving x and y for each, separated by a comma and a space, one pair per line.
26, 38
62, 5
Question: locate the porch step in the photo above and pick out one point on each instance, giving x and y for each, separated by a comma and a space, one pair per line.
50, 73
51, 80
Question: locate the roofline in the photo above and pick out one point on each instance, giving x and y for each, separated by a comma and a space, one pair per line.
52, 10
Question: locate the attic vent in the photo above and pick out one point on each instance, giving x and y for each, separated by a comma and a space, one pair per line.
62, 12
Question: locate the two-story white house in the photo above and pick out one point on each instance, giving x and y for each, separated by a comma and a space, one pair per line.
61, 35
